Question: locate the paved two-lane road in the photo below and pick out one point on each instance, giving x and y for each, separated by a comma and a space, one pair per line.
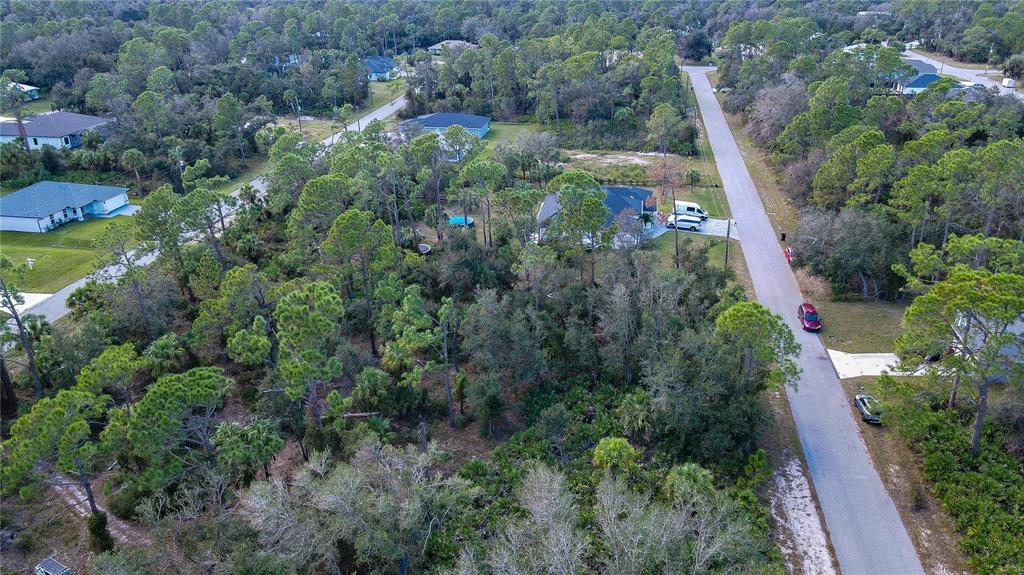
866, 530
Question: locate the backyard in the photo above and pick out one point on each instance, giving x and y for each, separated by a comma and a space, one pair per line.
33, 107
62, 256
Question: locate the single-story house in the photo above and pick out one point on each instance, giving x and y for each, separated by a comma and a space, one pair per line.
46, 205
917, 84
57, 129
440, 122
381, 67
617, 200
28, 93
453, 45
921, 67
51, 566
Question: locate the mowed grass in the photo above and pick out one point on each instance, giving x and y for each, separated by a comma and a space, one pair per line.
504, 133
32, 108
860, 326
63, 255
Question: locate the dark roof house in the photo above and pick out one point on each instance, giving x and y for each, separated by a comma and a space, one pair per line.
441, 121
921, 67
381, 67
57, 129
617, 200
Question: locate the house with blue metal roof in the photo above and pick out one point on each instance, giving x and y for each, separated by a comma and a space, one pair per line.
44, 206
918, 84
440, 122
381, 67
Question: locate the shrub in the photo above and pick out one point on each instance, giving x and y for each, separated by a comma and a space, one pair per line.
615, 453
99, 536
983, 494
123, 503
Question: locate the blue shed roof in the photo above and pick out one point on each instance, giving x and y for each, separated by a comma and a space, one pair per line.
44, 198
923, 80
449, 119
380, 64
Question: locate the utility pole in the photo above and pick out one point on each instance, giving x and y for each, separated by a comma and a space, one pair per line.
728, 232
181, 167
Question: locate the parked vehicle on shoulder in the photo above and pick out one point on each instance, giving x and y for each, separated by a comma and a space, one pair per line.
691, 223
869, 408
690, 209
788, 254
809, 319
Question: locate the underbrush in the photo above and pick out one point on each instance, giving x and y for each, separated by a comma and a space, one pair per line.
565, 422
983, 493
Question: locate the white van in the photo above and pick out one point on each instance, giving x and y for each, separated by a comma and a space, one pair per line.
1009, 83
691, 223
690, 209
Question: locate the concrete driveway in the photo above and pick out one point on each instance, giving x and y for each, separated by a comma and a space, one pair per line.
712, 227
865, 527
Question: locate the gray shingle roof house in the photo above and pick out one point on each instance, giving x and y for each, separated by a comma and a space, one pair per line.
441, 121
617, 200
921, 67
46, 205
57, 129
381, 67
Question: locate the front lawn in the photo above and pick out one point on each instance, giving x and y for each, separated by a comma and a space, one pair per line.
860, 326
63, 255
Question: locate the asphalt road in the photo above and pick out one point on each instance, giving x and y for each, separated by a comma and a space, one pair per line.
964, 74
865, 527
55, 306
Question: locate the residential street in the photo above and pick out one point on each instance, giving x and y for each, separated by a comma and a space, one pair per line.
964, 74
865, 527
55, 307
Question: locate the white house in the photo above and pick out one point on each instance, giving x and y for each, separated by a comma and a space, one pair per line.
28, 92
453, 45
44, 206
57, 129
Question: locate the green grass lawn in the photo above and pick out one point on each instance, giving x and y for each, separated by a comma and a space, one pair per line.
32, 108
62, 256
860, 326
503, 133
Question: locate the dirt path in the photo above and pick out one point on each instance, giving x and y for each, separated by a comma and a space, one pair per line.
124, 532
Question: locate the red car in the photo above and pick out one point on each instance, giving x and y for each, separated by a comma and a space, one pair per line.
809, 319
